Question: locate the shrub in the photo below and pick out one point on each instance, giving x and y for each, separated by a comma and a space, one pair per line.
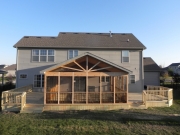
7, 86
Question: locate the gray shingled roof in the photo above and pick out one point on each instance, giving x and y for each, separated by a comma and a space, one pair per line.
175, 64
2, 72
11, 67
82, 40
150, 65
2, 66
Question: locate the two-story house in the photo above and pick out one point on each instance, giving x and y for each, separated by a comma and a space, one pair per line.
81, 62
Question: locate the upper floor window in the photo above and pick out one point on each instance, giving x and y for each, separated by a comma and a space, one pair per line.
125, 56
72, 53
43, 55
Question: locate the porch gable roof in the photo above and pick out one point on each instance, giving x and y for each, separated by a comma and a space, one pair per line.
82, 55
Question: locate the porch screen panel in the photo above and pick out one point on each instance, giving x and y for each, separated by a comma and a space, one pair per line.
52, 89
93, 89
107, 89
65, 90
79, 89
120, 91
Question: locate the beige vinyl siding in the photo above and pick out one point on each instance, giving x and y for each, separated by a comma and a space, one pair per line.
25, 64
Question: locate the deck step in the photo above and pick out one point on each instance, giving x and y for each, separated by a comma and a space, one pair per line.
134, 106
137, 106
33, 108
31, 111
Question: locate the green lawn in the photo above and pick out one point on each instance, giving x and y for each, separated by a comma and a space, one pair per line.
151, 121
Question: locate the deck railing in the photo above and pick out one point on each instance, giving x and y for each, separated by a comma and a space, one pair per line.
27, 88
13, 98
83, 97
157, 93
23, 100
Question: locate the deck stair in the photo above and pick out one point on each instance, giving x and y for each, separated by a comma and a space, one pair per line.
33, 108
34, 103
137, 105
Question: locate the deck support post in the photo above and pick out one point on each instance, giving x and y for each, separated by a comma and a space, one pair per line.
100, 90
127, 84
114, 89
123, 82
45, 86
58, 86
73, 88
86, 79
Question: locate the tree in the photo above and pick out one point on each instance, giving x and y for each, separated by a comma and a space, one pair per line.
161, 66
164, 76
176, 79
170, 72
9, 78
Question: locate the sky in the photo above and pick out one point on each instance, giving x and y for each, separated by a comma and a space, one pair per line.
156, 23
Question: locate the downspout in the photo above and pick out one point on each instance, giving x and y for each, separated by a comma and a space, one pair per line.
17, 67
142, 70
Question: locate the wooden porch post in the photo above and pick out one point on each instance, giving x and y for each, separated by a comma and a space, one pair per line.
114, 89
58, 86
123, 81
100, 89
127, 83
73, 88
86, 79
45, 86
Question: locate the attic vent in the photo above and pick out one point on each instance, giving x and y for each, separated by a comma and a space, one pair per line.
52, 37
76, 33
99, 33
26, 37
38, 37
87, 33
128, 40
123, 34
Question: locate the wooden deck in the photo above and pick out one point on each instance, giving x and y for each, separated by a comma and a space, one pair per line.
33, 102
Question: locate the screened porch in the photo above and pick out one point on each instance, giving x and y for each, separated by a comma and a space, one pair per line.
85, 79
86, 90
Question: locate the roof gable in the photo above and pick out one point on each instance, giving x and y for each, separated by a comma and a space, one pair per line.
78, 64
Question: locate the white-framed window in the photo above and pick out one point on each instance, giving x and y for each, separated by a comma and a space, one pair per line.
132, 79
125, 56
105, 79
23, 76
39, 81
72, 53
43, 55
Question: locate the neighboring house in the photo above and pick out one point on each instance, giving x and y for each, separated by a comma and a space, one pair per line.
3, 66
175, 67
151, 72
11, 70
